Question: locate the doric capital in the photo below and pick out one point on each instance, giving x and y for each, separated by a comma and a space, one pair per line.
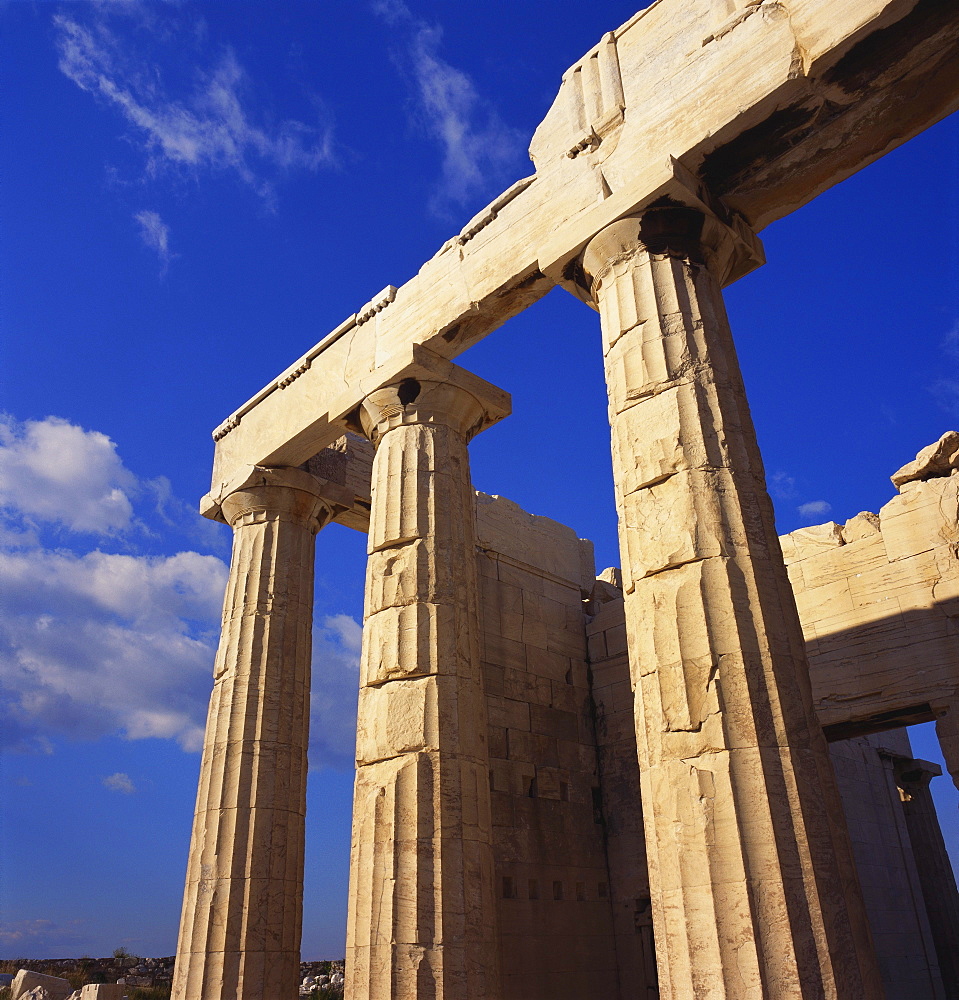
668, 230
288, 494
433, 391
416, 401
915, 772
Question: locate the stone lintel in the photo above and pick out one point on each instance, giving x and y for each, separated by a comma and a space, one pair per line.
666, 182
812, 96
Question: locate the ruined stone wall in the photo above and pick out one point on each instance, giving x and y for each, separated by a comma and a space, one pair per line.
552, 881
878, 598
619, 780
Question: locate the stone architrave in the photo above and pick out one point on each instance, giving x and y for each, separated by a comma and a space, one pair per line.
422, 911
242, 907
753, 887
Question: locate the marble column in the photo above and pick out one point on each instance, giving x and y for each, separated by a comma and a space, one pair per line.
754, 892
932, 865
242, 908
422, 914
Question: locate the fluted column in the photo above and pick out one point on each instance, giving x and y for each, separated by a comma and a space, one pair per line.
753, 887
422, 914
243, 904
932, 865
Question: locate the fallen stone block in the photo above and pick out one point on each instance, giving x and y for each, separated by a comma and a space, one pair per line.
25, 982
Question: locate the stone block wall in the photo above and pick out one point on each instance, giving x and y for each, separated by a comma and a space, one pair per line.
877, 598
552, 879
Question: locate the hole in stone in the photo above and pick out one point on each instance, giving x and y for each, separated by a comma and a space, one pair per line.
533, 789
509, 887
408, 390
602, 890
557, 890
580, 892
563, 791
534, 888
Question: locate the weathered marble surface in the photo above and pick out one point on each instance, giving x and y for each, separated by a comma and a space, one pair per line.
749, 107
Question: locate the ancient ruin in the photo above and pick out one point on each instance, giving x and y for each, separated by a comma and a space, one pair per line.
616, 787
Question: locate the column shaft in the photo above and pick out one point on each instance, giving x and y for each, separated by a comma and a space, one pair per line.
754, 890
242, 908
933, 867
422, 912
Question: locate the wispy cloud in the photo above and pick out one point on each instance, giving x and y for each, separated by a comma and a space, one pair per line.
17, 934
478, 147
333, 696
119, 782
782, 486
945, 390
814, 509
211, 127
155, 235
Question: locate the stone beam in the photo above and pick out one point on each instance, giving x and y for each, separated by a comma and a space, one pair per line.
751, 113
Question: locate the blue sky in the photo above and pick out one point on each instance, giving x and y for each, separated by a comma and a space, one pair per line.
193, 194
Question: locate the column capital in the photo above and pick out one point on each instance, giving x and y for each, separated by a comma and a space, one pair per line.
281, 492
675, 230
336, 496
915, 771
434, 391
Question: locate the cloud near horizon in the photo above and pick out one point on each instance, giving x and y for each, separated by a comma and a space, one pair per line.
95, 643
210, 127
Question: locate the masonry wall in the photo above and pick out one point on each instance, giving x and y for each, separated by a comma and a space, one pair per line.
619, 780
571, 877
552, 880
878, 598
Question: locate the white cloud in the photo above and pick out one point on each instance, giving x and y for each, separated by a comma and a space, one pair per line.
333, 696
119, 782
208, 128
478, 147
155, 234
96, 643
54, 471
814, 509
